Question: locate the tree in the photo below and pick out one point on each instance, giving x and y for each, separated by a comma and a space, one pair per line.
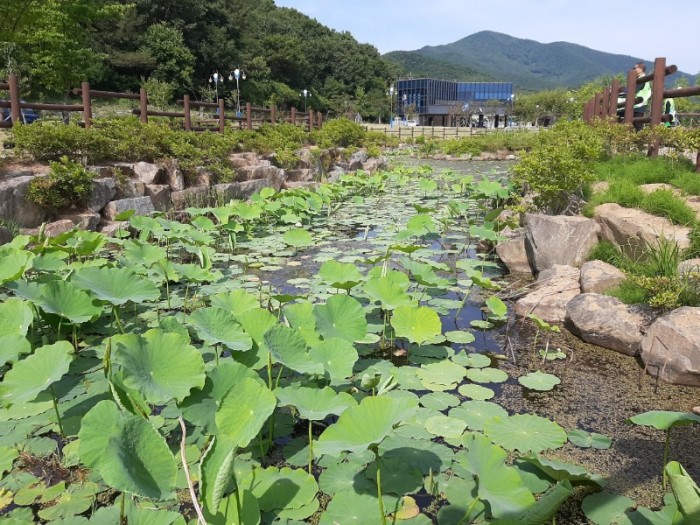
175, 62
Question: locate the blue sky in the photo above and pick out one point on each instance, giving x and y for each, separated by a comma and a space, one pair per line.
612, 26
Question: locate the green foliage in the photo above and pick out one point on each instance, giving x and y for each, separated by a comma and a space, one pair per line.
160, 92
45, 141
665, 204
67, 184
175, 62
340, 132
608, 252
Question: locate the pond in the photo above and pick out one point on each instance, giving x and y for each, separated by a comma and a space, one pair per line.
360, 317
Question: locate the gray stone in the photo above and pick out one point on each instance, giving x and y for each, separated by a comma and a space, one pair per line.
103, 191
599, 277
335, 174
608, 322
554, 288
290, 185
87, 220
356, 160
671, 347
634, 231
102, 171
197, 196
140, 205
130, 188
689, 267
651, 188
174, 178
160, 196
374, 165
241, 160
203, 177
512, 253
558, 239
52, 229
14, 205
111, 228
300, 175
5, 235
257, 172
149, 173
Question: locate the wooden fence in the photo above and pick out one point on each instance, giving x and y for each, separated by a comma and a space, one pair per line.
436, 132
253, 118
605, 105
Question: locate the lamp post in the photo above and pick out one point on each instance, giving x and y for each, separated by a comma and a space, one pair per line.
237, 74
512, 109
391, 105
215, 79
537, 115
305, 93
404, 98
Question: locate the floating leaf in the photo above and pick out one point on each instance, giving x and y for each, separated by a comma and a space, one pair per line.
298, 238
127, 451
525, 433
604, 508
76, 500
116, 285
462, 337
487, 375
341, 316
476, 413
442, 373
477, 392
472, 360
539, 381
350, 507
218, 326
444, 426
288, 347
439, 400
584, 439
337, 356
417, 324
244, 410
314, 403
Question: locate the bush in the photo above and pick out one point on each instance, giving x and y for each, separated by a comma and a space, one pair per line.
48, 141
340, 132
67, 184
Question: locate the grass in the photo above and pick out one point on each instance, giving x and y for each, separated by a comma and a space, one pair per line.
642, 170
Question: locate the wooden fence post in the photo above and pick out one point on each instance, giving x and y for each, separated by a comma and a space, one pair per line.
294, 116
657, 98
273, 115
319, 123
15, 109
615, 93
143, 105
631, 95
87, 104
186, 110
310, 116
249, 115
222, 117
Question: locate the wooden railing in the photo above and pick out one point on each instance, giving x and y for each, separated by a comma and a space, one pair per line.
253, 118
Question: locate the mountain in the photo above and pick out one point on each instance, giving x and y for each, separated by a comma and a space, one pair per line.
530, 65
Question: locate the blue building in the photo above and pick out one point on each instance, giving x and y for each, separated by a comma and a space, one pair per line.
447, 103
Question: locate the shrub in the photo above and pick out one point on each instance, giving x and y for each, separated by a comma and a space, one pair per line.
67, 184
340, 132
49, 141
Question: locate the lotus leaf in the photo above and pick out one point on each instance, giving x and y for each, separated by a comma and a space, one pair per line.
446, 427
288, 347
497, 308
67, 301
545, 509
462, 337
342, 477
363, 426
217, 326
340, 275
398, 477
604, 508
487, 375
559, 470
116, 285
337, 356
476, 392
350, 507
277, 489
256, 323
293, 516
584, 439
12, 346
539, 381
159, 365
417, 324
13, 264
7, 457
439, 400
476, 413
298, 238
472, 360
35, 373
664, 419
142, 253
236, 302
525, 433
76, 500
227, 513
410, 509
341, 316
314, 403
216, 472
15, 316
127, 451
441, 373
390, 294
244, 410
685, 490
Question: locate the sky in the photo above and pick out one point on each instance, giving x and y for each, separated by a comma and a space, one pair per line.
613, 26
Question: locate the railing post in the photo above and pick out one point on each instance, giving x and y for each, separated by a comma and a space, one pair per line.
143, 105
605, 110
15, 109
87, 104
657, 98
249, 115
222, 117
310, 116
186, 110
615, 93
319, 122
631, 95
273, 115
294, 116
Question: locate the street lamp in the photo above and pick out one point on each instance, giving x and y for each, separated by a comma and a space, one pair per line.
537, 115
237, 74
404, 98
305, 93
391, 105
512, 110
215, 79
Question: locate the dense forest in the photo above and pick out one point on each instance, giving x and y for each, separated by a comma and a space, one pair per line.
175, 47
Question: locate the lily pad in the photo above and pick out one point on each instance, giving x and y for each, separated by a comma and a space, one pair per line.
446, 427
584, 439
525, 433
342, 316
298, 238
476, 413
476, 392
439, 400
539, 381
417, 324
604, 508
487, 375
314, 403
460, 336
442, 373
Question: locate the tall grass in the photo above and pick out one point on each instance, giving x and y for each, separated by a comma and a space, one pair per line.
641, 170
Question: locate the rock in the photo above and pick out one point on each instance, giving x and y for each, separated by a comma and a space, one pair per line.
159, 195
5, 235
14, 205
335, 174
512, 253
300, 175
558, 239
635, 231
241, 160
129, 188
599, 277
103, 191
356, 160
10, 170
110, 229
689, 267
651, 188
174, 177
671, 347
608, 322
197, 196
555, 287
290, 185
600, 187
140, 205
258, 172
52, 229
88, 220
146, 172
374, 164
203, 177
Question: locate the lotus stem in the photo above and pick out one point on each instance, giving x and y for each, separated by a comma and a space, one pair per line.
58, 415
121, 509
185, 468
115, 312
216, 354
665, 460
311, 446
468, 513
546, 350
379, 488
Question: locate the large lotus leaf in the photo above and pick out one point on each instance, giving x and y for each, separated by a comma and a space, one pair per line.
116, 285
15, 316
423, 454
13, 264
143, 253
417, 324
340, 275
244, 410
487, 375
476, 392
341, 316
498, 484
398, 476
559, 470
604, 508
256, 323
350, 507
389, 293
35, 373
445, 426
76, 500
278, 489
685, 490
298, 238
216, 469
235, 301
314, 403
441, 373
545, 509
127, 451
161, 366
664, 419
525, 433
66, 300
199, 408
343, 477
12, 346
365, 425
300, 315
476, 413
287, 346
218, 326
227, 513
393, 276
539, 381
196, 274
337, 356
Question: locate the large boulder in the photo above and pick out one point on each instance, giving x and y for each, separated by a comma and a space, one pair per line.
14, 205
608, 322
140, 206
558, 239
5, 235
671, 347
104, 190
634, 231
512, 253
196, 196
555, 287
599, 277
